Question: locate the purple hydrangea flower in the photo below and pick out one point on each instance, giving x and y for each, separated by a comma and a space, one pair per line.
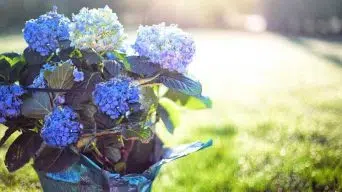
167, 46
43, 34
114, 96
61, 127
10, 101
78, 75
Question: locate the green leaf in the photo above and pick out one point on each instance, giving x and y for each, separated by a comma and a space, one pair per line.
10, 66
200, 102
61, 78
190, 102
21, 150
76, 53
122, 58
169, 113
37, 106
7, 135
181, 83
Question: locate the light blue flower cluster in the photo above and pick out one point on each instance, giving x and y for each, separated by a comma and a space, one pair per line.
97, 29
43, 34
61, 127
114, 96
167, 46
10, 101
39, 81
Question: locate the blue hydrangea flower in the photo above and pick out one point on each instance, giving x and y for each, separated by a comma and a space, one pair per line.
114, 96
167, 46
61, 127
10, 101
97, 29
43, 34
39, 81
78, 75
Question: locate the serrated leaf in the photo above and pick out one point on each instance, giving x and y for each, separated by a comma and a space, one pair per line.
169, 113
54, 160
142, 66
61, 77
181, 83
111, 69
37, 106
21, 150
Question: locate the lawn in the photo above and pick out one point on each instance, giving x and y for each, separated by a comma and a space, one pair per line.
276, 120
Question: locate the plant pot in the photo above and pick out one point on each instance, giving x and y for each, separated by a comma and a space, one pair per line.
86, 176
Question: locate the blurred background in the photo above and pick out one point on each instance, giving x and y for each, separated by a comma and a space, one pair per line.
274, 71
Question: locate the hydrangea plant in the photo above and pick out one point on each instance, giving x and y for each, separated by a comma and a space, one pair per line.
73, 92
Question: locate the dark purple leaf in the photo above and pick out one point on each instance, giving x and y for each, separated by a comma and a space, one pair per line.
142, 66
55, 159
21, 150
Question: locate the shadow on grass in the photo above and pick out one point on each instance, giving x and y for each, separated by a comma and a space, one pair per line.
331, 57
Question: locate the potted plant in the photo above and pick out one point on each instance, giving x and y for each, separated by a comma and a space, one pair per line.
86, 104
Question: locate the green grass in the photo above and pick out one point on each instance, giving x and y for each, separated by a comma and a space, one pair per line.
276, 121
